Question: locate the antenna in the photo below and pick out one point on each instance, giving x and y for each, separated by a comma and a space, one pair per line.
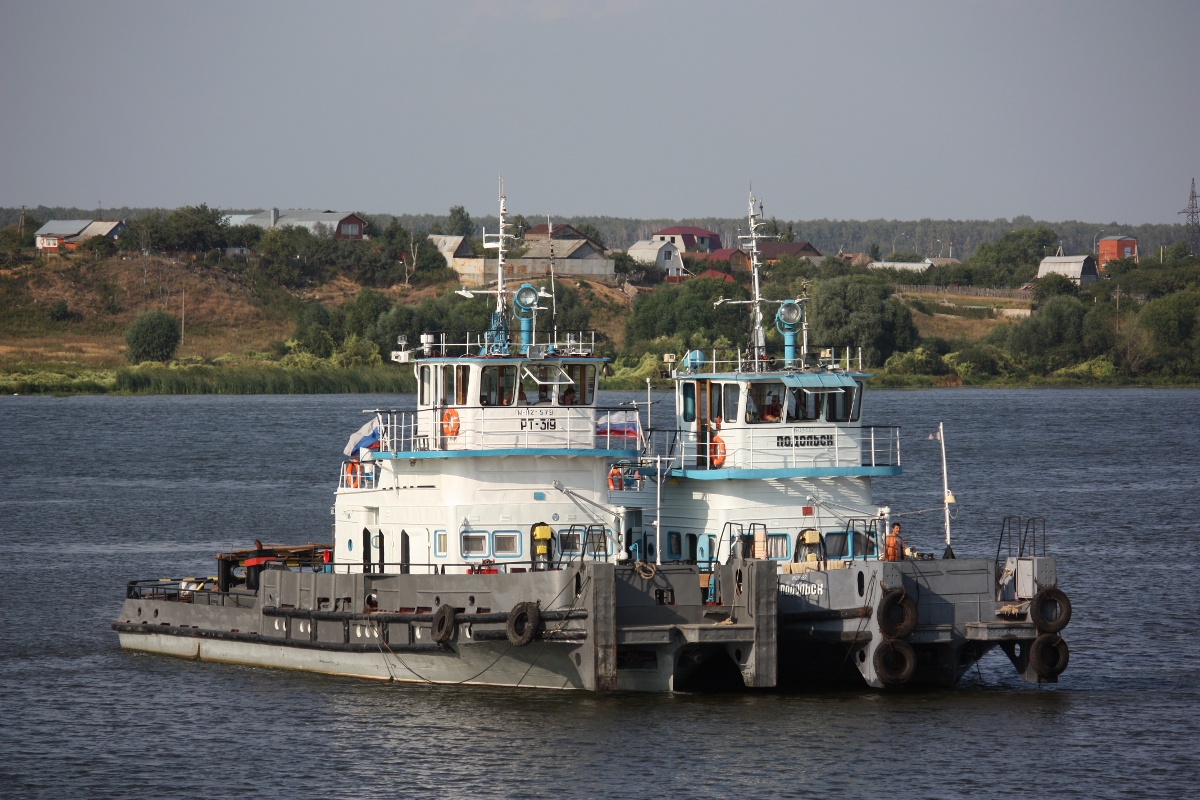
553, 290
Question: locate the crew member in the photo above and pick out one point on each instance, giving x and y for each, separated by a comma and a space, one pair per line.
773, 410
893, 545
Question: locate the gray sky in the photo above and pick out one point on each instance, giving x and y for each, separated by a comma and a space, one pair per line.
847, 110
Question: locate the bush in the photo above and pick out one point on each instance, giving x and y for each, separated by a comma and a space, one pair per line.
154, 336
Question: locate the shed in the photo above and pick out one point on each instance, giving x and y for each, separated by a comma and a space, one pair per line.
662, 254
54, 233
340, 224
1081, 269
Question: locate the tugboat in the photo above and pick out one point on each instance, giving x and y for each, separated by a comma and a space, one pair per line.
512, 532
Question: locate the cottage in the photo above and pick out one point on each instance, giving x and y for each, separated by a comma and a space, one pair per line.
773, 251
735, 259
690, 239
67, 234
562, 231
339, 224
1081, 269
661, 254
1114, 248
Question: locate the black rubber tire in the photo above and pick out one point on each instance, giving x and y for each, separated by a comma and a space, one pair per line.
894, 662
897, 614
444, 623
1049, 655
522, 624
1050, 610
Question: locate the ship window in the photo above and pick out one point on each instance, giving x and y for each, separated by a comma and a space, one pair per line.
474, 544
569, 540
731, 401
455, 379
506, 544
583, 380
688, 389
839, 405
779, 547
440, 543
597, 540
674, 544
426, 385
837, 544
854, 415
864, 544
496, 385
764, 402
810, 404
714, 402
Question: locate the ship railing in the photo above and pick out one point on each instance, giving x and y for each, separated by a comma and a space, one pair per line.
771, 359
487, 428
472, 344
1022, 537
198, 591
775, 446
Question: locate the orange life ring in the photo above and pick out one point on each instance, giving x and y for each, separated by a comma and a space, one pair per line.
353, 474
450, 422
615, 481
716, 452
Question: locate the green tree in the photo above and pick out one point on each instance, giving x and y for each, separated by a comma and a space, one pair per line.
459, 223
195, 229
153, 336
589, 230
858, 311
98, 248
1053, 285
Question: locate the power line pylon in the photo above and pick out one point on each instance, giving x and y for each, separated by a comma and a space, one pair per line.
1192, 226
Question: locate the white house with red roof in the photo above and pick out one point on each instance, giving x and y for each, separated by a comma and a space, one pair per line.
689, 238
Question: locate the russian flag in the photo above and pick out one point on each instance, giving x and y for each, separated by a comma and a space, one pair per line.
365, 438
618, 423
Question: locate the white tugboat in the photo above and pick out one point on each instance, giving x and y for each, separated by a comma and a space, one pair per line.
511, 532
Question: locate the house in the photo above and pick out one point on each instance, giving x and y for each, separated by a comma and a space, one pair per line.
452, 247
661, 254
716, 275
1081, 269
67, 234
690, 239
562, 231
773, 251
855, 259
340, 224
735, 259
578, 258
1114, 248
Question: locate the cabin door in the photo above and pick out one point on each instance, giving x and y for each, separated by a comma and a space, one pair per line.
703, 406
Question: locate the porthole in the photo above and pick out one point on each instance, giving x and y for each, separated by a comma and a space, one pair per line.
862, 584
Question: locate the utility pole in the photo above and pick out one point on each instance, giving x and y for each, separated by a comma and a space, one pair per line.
1193, 222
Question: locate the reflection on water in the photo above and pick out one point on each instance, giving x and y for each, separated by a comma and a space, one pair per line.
143, 487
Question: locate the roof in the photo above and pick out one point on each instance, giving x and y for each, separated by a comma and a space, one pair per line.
772, 250
299, 217
62, 227
724, 254
685, 230
716, 274
97, 228
650, 247
565, 248
1071, 266
917, 266
1117, 238
450, 246
561, 231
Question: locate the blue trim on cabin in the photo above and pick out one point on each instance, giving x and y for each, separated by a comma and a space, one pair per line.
785, 472
509, 451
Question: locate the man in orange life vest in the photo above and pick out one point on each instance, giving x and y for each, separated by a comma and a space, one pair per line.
893, 545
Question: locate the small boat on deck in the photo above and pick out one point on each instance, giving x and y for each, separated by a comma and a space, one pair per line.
511, 531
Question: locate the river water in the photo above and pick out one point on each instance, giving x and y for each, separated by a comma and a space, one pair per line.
97, 490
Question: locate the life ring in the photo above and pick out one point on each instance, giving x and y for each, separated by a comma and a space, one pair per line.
1048, 655
716, 452
1050, 610
450, 422
897, 614
615, 479
443, 624
353, 474
522, 624
894, 662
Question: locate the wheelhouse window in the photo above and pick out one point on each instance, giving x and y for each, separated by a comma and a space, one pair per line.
809, 405
688, 390
425, 385
455, 381
497, 385
840, 405
506, 544
764, 402
583, 382
474, 544
729, 405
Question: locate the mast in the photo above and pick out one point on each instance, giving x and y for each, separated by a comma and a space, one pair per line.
496, 340
758, 338
553, 292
